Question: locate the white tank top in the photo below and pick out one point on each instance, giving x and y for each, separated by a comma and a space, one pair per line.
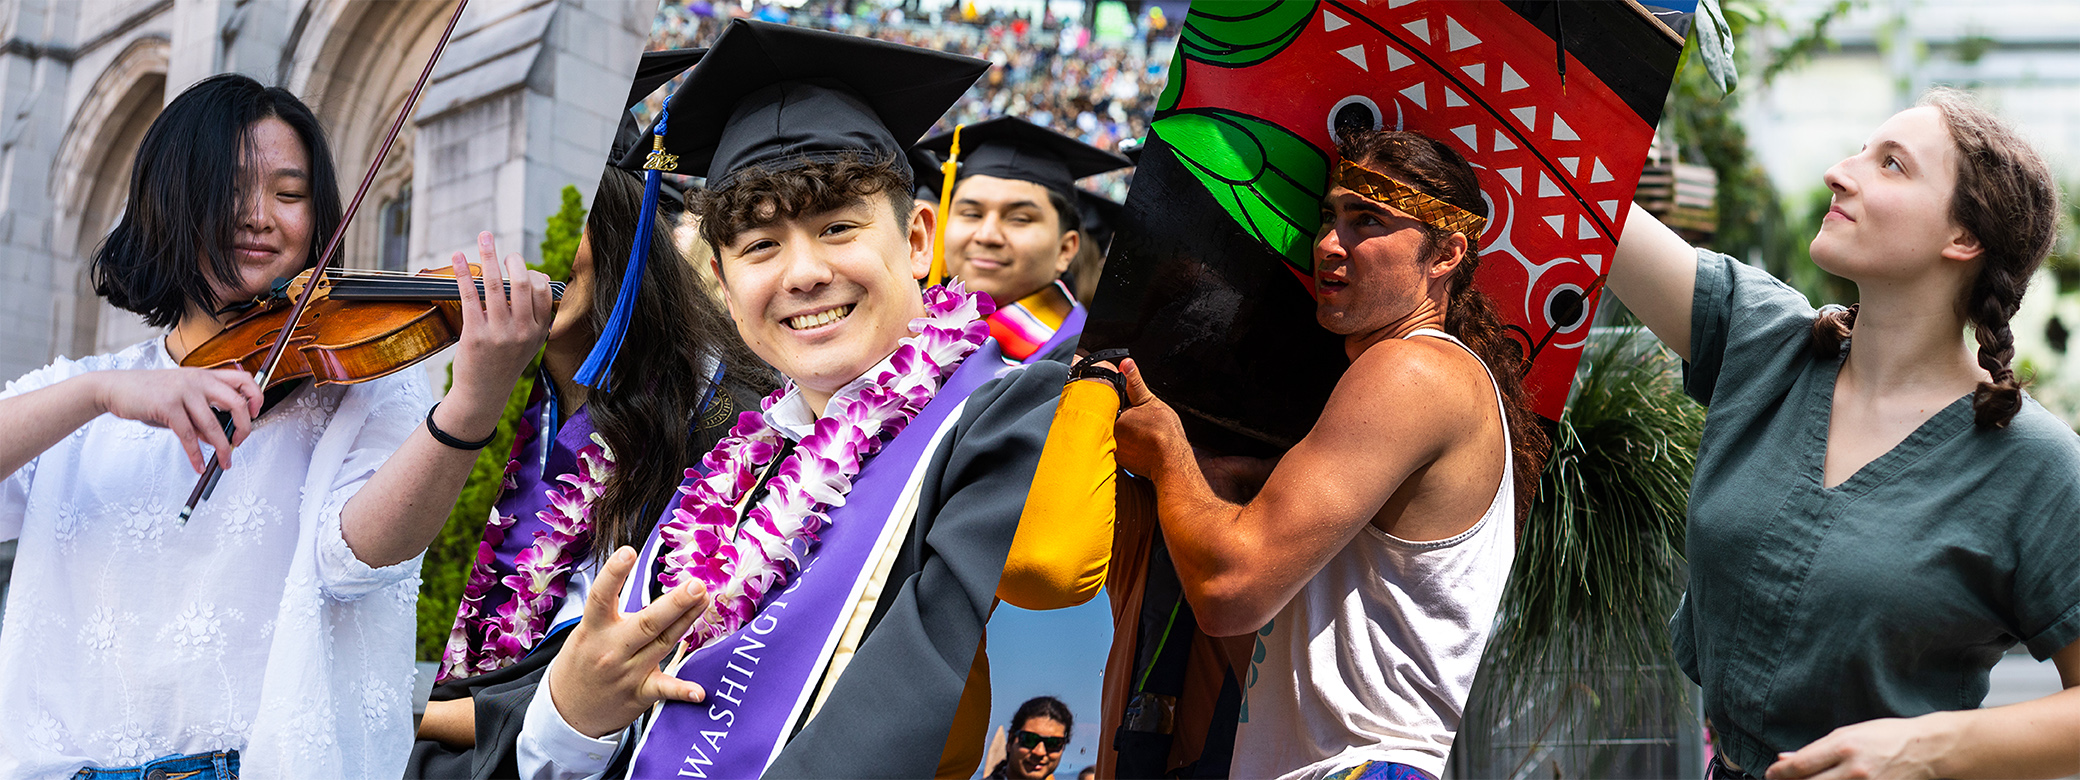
1373, 659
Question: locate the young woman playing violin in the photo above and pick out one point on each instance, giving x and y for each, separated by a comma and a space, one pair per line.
274, 628
612, 456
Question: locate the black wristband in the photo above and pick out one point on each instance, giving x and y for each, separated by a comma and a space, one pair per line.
444, 438
1087, 368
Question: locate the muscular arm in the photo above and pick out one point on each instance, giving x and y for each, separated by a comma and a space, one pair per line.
1391, 414
1655, 274
2036, 738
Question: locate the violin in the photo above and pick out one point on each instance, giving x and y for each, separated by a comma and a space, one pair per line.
359, 326
280, 340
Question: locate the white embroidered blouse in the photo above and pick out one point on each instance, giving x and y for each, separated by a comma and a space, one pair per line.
253, 627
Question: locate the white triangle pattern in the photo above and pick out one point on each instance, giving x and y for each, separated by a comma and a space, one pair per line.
1582, 229
1528, 115
1561, 132
1355, 54
1415, 95
1546, 188
1512, 82
1600, 175
1595, 262
1502, 142
1396, 60
1468, 134
1421, 28
1452, 100
1571, 163
1610, 208
1332, 22
1515, 177
1478, 71
1558, 223
1460, 38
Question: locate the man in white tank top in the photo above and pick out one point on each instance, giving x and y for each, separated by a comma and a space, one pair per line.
1369, 561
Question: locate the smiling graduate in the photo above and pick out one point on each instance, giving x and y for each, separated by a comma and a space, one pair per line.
1016, 225
834, 560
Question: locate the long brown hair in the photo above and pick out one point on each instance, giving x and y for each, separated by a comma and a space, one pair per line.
1438, 171
676, 333
2005, 199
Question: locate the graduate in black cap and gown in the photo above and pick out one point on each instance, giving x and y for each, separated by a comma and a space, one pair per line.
1014, 226
833, 561
590, 468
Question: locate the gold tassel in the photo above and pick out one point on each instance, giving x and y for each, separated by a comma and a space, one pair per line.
946, 169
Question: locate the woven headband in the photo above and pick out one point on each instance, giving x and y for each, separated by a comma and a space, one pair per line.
1380, 187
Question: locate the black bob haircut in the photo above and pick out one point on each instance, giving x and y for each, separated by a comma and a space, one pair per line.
186, 197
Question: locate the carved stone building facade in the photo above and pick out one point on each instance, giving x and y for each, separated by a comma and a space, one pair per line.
524, 101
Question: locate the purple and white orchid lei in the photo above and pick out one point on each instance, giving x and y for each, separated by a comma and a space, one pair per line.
741, 563
481, 643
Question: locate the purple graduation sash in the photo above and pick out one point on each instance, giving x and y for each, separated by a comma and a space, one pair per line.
760, 679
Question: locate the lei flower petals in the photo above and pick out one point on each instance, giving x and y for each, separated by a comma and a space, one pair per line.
767, 547
541, 572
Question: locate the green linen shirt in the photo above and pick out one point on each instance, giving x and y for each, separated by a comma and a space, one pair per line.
1889, 595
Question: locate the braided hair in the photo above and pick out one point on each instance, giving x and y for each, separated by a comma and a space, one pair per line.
2005, 199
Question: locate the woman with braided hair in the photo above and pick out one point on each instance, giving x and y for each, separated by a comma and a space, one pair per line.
1879, 511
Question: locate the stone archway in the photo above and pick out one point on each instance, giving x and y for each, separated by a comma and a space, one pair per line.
91, 187
356, 76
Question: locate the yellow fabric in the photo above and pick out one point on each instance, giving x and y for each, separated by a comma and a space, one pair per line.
1064, 539
964, 744
1061, 550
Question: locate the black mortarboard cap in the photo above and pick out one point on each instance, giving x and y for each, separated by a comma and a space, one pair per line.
925, 179
775, 96
1101, 216
656, 68
1013, 148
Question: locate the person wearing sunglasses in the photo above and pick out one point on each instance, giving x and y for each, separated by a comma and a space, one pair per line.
1039, 732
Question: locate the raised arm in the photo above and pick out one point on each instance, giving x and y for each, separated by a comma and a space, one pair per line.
1655, 274
1395, 411
405, 503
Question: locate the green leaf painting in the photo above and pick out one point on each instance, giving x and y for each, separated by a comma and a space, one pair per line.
1241, 33
1268, 179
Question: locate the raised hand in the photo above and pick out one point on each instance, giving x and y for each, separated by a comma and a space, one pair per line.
179, 400
1148, 433
500, 333
607, 674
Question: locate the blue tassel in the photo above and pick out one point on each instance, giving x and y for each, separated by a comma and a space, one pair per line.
593, 373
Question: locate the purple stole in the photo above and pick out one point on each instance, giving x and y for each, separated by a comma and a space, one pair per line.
760, 679
531, 475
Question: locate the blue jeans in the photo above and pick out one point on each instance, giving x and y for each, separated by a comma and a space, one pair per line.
221, 765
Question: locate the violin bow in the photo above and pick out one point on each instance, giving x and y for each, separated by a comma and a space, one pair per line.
208, 482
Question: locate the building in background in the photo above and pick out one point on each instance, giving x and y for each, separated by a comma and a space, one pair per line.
523, 103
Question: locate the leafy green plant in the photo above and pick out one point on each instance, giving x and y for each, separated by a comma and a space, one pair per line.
454, 552
1600, 562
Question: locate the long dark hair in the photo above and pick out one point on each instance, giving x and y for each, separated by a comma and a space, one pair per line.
1438, 171
186, 193
664, 371
2005, 199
